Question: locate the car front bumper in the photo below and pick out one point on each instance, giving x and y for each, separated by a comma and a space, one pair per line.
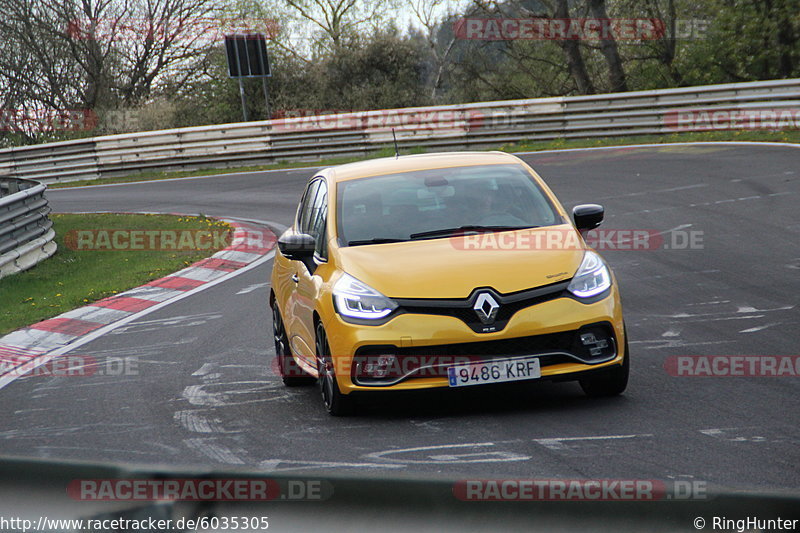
439, 341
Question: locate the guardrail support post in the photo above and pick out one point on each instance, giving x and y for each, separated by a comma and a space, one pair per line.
266, 98
244, 100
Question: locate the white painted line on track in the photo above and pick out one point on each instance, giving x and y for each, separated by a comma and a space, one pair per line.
253, 287
41, 346
452, 458
271, 465
557, 443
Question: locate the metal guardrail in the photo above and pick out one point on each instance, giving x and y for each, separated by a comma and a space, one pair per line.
26, 232
474, 125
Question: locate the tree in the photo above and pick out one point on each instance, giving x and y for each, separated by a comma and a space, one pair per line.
100, 54
748, 40
608, 46
383, 70
572, 51
440, 43
337, 19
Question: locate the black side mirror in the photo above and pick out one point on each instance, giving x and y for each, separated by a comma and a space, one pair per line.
297, 246
587, 216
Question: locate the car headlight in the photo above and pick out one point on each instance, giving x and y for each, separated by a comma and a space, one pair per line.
592, 277
356, 299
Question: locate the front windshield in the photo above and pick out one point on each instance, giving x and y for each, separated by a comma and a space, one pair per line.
411, 204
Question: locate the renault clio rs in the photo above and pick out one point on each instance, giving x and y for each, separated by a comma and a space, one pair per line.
442, 270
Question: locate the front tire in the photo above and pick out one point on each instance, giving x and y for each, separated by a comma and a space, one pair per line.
336, 403
610, 383
291, 373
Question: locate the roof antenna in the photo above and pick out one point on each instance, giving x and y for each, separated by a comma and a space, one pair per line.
396, 149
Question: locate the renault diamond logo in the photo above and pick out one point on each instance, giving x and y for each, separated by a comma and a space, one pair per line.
486, 307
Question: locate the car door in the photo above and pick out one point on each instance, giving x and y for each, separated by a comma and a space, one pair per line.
295, 303
308, 284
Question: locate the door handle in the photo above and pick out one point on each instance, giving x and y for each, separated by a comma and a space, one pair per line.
295, 278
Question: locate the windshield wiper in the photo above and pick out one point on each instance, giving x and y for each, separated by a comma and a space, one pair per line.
462, 229
375, 240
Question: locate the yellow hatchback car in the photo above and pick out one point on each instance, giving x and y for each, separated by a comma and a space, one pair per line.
442, 270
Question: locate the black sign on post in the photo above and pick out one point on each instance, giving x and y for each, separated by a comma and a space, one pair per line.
247, 58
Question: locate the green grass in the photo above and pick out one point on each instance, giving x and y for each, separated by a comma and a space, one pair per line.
72, 278
705, 136
522, 146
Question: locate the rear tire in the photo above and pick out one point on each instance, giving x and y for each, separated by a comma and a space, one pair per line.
336, 403
291, 373
610, 383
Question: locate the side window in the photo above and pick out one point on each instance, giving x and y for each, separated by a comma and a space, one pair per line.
306, 207
319, 218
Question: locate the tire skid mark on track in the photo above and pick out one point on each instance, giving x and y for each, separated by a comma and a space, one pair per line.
197, 422
182, 322
26, 349
219, 453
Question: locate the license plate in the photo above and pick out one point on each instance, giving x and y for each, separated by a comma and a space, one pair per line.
498, 371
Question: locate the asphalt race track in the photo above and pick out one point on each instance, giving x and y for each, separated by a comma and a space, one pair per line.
204, 392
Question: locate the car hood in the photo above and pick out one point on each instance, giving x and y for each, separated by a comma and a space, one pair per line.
452, 267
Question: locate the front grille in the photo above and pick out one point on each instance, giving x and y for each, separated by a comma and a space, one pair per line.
499, 348
462, 309
432, 361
